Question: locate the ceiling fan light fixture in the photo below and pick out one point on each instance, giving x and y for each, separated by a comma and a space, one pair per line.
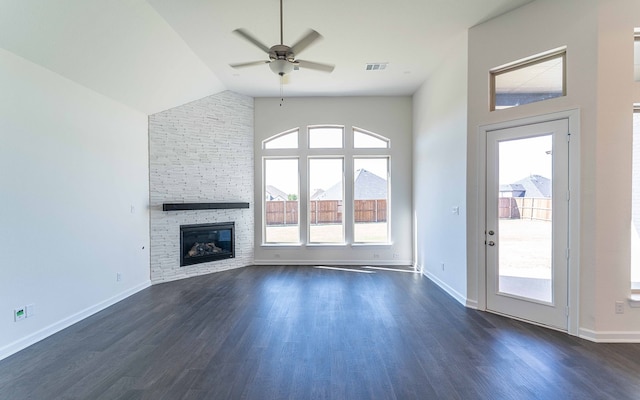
281, 67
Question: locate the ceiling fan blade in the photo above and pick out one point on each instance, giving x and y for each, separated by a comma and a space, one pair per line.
249, 37
310, 37
248, 64
316, 66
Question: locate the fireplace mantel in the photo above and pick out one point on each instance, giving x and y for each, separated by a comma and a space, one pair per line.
202, 206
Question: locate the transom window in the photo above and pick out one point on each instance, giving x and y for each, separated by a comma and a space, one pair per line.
368, 140
284, 140
307, 196
538, 78
326, 137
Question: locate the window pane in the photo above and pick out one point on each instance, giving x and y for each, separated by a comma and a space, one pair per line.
525, 226
534, 81
363, 140
371, 199
287, 140
636, 57
326, 137
326, 194
635, 203
281, 207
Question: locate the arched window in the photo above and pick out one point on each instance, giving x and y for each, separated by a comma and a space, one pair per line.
308, 197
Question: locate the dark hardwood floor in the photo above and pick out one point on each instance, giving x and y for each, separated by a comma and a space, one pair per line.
307, 333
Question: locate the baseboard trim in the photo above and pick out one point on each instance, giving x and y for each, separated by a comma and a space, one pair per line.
609, 336
335, 263
460, 298
472, 304
45, 332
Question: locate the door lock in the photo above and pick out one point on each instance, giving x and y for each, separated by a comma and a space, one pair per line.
492, 233
491, 243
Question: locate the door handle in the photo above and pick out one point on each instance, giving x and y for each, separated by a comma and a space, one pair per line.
491, 243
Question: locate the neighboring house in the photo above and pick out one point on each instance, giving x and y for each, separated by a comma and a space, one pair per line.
367, 185
317, 194
531, 186
273, 193
512, 190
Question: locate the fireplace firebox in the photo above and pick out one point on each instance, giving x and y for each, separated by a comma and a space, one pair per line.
206, 242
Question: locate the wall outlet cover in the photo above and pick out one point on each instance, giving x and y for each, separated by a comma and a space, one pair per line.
30, 310
19, 314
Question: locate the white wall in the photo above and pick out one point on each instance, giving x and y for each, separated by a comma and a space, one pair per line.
73, 201
439, 163
598, 35
616, 93
387, 116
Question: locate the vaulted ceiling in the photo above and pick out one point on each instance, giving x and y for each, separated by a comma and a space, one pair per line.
156, 54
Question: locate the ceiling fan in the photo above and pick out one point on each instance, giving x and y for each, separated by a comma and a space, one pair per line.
282, 58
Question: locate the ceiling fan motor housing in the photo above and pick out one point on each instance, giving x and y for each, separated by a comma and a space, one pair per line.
281, 52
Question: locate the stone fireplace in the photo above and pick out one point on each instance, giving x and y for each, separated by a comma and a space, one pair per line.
201, 173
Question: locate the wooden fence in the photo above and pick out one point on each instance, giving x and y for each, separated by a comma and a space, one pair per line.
324, 211
532, 208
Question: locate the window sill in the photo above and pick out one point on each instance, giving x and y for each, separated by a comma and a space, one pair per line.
380, 244
634, 300
280, 245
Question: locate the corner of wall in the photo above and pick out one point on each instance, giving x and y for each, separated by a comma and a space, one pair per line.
201, 152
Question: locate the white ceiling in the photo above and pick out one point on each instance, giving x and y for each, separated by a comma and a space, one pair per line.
156, 54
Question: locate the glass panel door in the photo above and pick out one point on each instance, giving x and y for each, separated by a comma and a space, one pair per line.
527, 222
525, 217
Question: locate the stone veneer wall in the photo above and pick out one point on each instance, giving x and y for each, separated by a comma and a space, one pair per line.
200, 152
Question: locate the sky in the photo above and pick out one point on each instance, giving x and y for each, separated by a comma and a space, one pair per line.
324, 173
283, 173
518, 159
523, 157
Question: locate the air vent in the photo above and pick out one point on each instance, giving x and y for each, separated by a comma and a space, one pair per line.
376, 66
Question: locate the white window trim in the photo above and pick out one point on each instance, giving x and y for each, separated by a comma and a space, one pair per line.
560, 52
304, 153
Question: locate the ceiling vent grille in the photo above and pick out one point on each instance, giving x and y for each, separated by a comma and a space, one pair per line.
376, 66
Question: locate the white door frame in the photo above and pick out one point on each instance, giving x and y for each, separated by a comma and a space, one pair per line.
573, 278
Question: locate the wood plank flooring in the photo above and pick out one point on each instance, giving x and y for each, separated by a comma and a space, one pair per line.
308, 333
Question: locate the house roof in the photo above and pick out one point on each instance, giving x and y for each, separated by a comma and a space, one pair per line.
316, 194
367, 186
276, 193
531, 186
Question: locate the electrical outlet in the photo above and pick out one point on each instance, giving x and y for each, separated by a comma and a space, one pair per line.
118, 276
619, 307
19, 314
442, 266
396, 256
376, 255
30, 310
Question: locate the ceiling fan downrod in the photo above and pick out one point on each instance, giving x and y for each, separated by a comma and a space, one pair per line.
281, 26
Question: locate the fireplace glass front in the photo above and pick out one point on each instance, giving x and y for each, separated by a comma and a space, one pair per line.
206, 242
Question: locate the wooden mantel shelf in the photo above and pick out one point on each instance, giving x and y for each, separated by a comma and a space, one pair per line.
202, 206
